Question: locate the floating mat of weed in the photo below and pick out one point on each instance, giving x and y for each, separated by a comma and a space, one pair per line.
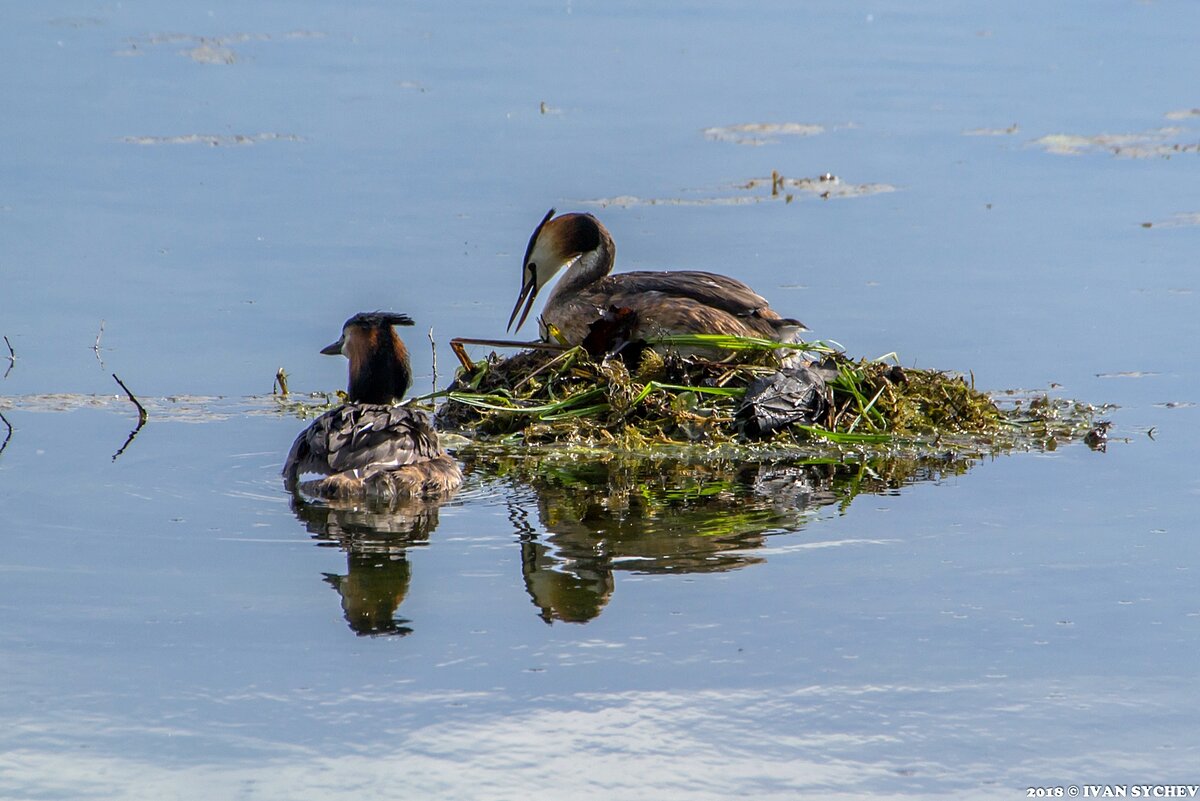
567, 397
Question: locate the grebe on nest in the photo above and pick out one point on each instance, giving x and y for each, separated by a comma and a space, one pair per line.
367, 447
672, 302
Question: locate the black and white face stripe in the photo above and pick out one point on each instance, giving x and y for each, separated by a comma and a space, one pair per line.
530, 283
557, 243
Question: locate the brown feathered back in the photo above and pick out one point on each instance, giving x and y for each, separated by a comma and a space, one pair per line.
364, 438
368, 448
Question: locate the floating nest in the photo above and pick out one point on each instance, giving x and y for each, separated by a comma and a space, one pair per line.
815, 394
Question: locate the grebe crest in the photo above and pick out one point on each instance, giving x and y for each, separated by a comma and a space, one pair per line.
379, 369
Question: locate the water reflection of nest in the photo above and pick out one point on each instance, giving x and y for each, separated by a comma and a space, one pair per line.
668, 515
580, 518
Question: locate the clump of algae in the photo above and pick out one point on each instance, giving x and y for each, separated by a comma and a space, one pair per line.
911, 401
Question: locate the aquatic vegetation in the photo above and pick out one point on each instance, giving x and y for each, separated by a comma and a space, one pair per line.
651, 399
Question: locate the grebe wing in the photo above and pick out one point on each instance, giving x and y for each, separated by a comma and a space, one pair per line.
710, 289
362, 437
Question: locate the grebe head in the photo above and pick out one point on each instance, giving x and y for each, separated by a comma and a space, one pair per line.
379, 370
556, 243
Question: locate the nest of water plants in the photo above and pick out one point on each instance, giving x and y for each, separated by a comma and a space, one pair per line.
568, 396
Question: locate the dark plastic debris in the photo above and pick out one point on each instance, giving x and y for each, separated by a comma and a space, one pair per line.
774, 402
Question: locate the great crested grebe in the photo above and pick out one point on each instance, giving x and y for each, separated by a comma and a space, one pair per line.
672, 302
367, 447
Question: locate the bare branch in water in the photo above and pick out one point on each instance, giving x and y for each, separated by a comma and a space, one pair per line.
12, 359
141, 417
141, 409
129, 439
10, 430
280, 387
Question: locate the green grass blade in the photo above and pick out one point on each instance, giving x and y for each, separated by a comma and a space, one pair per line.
492, 402
735, 343
845, 438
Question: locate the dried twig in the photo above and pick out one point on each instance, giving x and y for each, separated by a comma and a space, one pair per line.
128, 440
141, 409
141, 417
10, 430
280, 383
433, 347
457, 343
12, 359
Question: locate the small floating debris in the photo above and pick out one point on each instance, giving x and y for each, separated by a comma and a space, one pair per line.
1180, 220
209, 49
1146, 144
774, 187
825, 186
1097, 437
210, 53
213, 140
760, 133
1009, 131
1128, 374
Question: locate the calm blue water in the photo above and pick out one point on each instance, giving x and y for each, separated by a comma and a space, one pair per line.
174, 630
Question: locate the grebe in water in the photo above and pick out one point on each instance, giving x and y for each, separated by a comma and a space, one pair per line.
368, 447
664, 303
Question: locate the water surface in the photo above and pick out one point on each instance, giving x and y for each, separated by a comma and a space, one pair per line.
220, 186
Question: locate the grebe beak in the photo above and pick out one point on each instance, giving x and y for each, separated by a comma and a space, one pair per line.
528, 294
336, 348
530, 288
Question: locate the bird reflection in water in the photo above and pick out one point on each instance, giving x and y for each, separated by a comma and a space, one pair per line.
376, 537
568, 587
382, 473
656, 516
588, 518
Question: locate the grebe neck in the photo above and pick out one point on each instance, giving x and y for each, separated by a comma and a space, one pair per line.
383, 375
587, 268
